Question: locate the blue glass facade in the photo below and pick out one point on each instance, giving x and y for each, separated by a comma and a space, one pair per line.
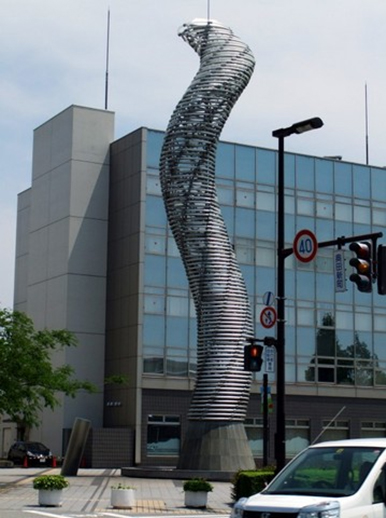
331, 338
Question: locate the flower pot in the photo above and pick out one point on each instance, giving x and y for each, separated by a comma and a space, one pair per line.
50, 497
196, 499
123, 498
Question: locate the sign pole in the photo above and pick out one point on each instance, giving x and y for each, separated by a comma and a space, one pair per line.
265, 420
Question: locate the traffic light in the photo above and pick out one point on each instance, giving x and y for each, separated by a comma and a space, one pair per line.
381, 269
253, 357
363, 265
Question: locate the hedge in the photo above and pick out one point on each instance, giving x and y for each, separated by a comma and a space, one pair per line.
247, 483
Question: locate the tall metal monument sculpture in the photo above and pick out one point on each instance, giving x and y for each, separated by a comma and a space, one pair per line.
215, 438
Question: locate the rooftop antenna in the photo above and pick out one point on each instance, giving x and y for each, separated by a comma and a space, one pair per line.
208, 9
366, 126
107, 59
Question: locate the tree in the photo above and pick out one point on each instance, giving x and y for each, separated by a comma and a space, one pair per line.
28, 380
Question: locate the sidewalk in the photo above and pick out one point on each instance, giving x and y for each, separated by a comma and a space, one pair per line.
89, 492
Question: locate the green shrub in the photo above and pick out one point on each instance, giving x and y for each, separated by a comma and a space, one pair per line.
247, 483
50, 482
122, 486
197, 484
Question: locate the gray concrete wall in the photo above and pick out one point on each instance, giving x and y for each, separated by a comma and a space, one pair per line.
61, 255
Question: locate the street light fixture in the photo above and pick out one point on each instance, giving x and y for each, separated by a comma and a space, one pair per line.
280, 134
299, 127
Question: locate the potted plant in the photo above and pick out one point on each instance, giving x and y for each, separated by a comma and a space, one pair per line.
196, 492
50, 489
122, 496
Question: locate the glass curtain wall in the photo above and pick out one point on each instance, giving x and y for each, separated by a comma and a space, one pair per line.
331, 338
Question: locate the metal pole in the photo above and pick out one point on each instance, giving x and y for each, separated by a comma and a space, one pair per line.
280, 453
282, 253
265, 420
367, 126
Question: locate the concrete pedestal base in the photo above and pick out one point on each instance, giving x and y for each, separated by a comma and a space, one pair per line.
216, 445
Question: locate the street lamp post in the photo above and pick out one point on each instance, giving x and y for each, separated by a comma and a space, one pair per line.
280, 134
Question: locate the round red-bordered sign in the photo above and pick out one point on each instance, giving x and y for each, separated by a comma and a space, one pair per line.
305, 246
268, 317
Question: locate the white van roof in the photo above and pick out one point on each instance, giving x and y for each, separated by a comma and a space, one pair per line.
375, 442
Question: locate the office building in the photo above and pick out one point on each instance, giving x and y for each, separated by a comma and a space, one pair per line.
95, 255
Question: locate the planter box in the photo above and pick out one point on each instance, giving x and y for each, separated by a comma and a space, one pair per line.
123, 498
196, 499
50, 497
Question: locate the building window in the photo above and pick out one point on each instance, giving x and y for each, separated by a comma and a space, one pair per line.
255, 434
245, 250
334, 431
373, 429
266, 200
306, 206
154, 303
153, 185
163, 435
245, 163
154, 145
153, 365
178, 305
245, 198
266, 166
155, 244
380, 376
155, 212
225, 195
297, 436
176, 366
225, 160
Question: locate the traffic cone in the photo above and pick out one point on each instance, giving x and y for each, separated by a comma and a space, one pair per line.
25, 462
54, 462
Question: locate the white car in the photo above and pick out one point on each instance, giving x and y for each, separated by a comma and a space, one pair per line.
334, 479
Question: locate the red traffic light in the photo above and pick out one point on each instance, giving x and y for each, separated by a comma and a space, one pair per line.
253, 357
363, 265
254, 352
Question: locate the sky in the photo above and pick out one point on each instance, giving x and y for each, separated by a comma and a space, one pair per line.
313, 58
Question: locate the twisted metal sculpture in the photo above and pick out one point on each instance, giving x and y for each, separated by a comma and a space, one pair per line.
187, 171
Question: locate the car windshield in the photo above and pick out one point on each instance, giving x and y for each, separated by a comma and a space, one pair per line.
325, 471
36, 447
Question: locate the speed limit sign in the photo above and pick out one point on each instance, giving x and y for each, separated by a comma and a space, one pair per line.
305, 246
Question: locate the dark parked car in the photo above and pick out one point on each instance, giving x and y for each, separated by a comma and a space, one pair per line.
30, 453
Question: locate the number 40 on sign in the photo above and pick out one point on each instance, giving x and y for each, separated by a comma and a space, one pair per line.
305, 246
